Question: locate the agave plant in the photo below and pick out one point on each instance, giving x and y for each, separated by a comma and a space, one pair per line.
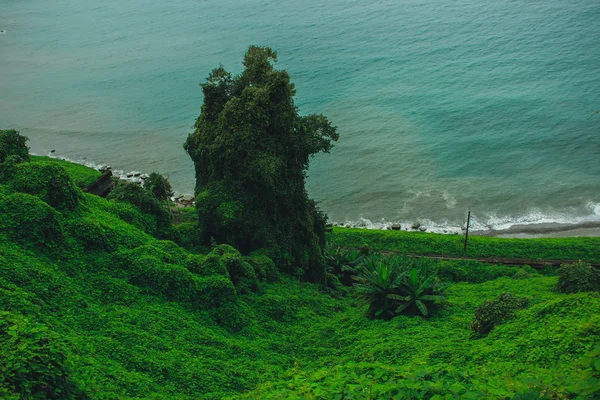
420, 287
393, 285
379, 277
341, 262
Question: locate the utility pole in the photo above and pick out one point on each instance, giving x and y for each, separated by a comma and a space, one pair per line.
467, 232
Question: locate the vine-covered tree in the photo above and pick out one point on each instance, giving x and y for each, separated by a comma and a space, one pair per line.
251, 151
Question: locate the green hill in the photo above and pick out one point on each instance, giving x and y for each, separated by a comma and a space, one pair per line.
95, 306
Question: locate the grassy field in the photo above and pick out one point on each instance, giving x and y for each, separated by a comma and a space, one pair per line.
94, 306
573, 248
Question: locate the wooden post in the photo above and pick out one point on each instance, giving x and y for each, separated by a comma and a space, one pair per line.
467, 233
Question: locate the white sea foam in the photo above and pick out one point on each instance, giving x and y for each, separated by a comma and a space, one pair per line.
491, 222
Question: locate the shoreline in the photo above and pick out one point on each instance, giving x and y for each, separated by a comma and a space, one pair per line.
534, 230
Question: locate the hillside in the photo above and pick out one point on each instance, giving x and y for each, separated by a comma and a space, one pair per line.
101, 300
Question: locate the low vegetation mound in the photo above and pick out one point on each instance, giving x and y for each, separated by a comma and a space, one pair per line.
28, 220
48, 181
497, 311
578, 277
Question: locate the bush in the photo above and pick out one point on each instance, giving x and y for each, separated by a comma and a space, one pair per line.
264, 267
134, 194
158, 185
216, 291
206, 265
133, 216
92, 234
341, 262
8, 168
48, 181
173, 281
13, 144
241, 272
188, 235
497, 311
31, 363
393, 285
578, 277
28, 220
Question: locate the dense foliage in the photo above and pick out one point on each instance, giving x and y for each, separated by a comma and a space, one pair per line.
94, 306
571, 248
158, 185
251, 151
13, 144
395, 285
578, 277
134, 194
497, 311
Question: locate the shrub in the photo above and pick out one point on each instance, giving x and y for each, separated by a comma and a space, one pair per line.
216, 291
28, 220
578, 277
133, 216
420, 290
173, 281
241, 272
8, 168
188, 235
393, 285
264, 267
495, 312
32, 364
13, 144
158, 185
134, 194
341, 262
206, 265
48, 181
92, 234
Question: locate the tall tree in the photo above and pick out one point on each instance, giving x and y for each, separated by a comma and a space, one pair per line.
251, 151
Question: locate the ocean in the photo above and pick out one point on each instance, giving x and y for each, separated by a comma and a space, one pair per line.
441, 105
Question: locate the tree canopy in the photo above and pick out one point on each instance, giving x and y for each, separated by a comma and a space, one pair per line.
251, 151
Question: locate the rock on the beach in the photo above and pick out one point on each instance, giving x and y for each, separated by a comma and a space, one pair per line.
395, 227
415, 226
422, 228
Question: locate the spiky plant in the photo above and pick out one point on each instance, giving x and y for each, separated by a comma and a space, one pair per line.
419, 289
394, 285
341, 262
377, 278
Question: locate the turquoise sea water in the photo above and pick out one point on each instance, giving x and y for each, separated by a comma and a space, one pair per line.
441, 105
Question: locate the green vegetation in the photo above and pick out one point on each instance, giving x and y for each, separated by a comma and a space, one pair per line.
578, 277
251, 151
81, 175
159, 186
13, 144
395, 285
576, 248
97, 304
497, 311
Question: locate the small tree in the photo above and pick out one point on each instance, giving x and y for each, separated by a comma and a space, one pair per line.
251, 151
159, 186
13, 144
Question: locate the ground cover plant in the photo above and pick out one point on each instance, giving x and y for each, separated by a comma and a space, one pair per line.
573, 248
97, 304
